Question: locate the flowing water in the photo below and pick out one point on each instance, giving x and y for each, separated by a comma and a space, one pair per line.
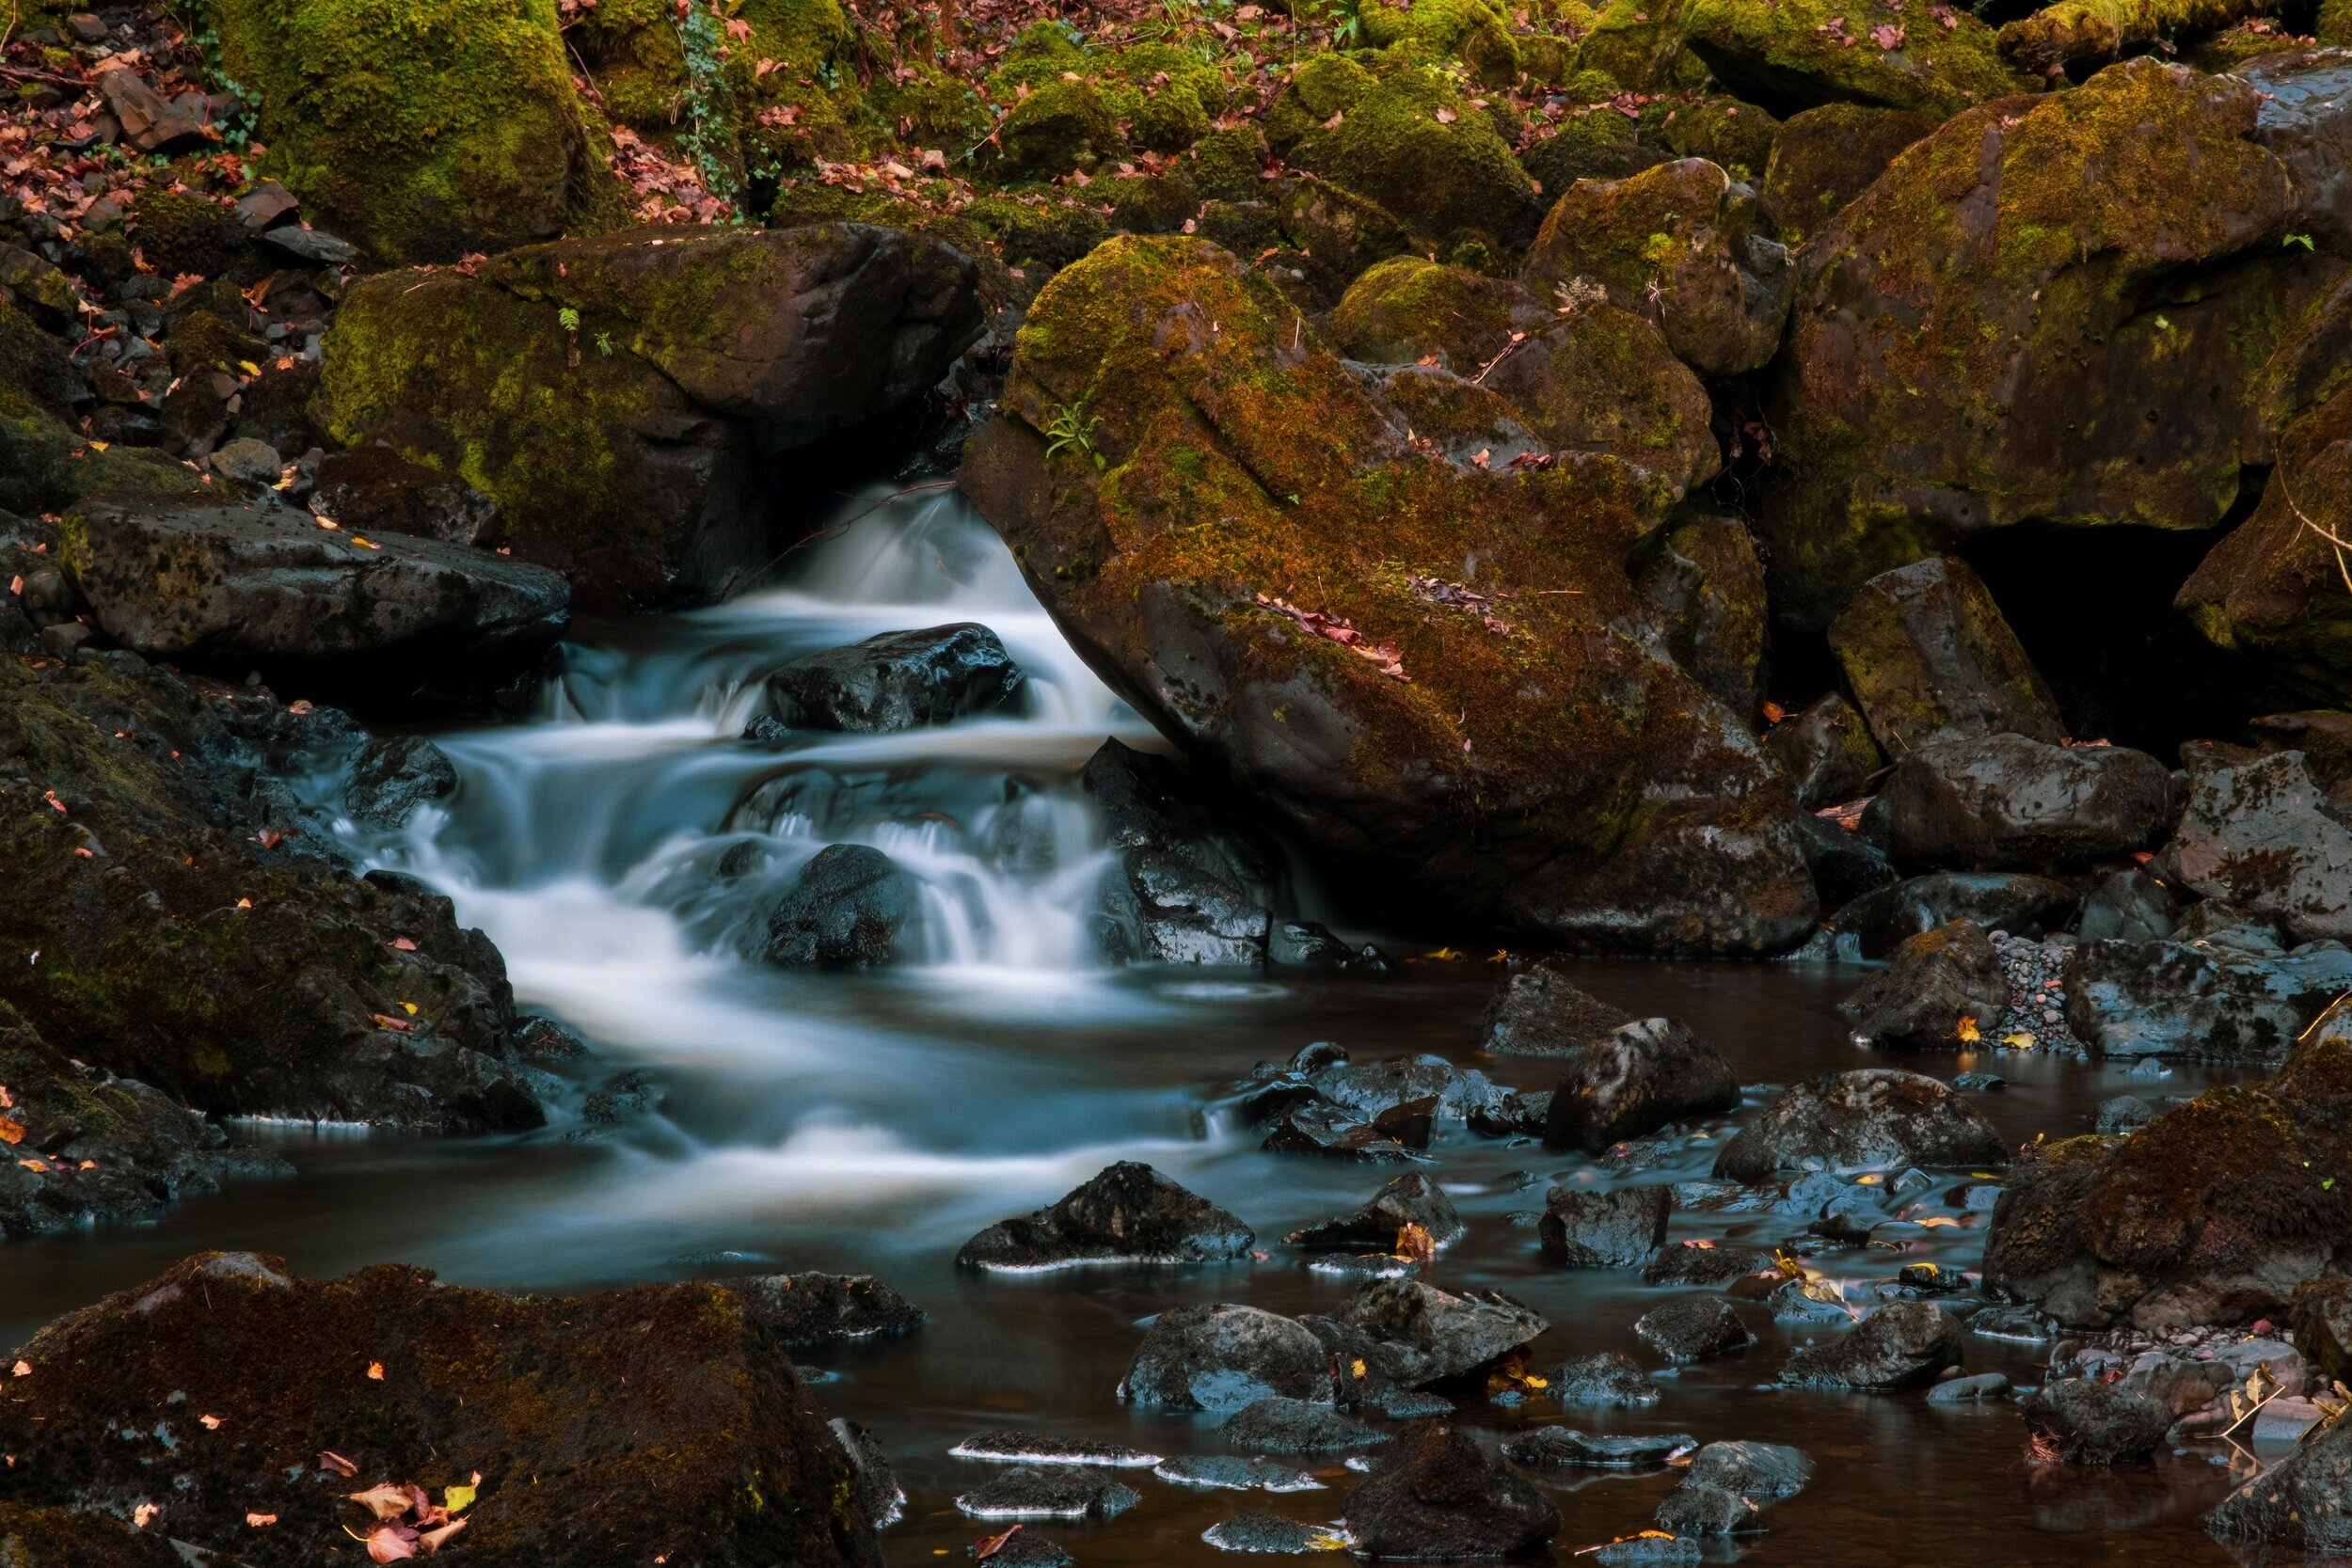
620, 847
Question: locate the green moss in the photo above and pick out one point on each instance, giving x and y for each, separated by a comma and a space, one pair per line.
180, 231
1227, 164
420, 129
1802, 53
1060, 127
1407, 308
203, 341
1319, 86
1734, 135
1473, 31
1637, 44
1414, 145
1040, 235
1158, 203
1823, 158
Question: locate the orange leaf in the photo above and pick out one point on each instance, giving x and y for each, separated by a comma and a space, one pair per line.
435, 1539
12, 1131
989, 1546
256, 1521
384, 1499
330, 1459
375, 1372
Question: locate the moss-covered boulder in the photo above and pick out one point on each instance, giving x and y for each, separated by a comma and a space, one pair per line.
1475, 32
1824, 157
1058, 127
1725, 131
1596, 143
2276, 586
1791, 55
1408, 306
2214, 1213
623, 398
1638, 46
1927, 653
1337, 234
1704, 585
418, 129
1682, 244
664, 1422
2051, 311
1267, 555
1415, 145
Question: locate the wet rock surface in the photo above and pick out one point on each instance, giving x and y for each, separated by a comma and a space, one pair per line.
2007, 803
901, 680
1411, 1199
1415, 1333
1604, 1380
1604, 1230
1191, 885
1874, 1118
1694, 1328
1437, 1494
2086, 1422
1224, 1357
1898, 1345
850, 907
1127, 1213
1564, 1447
1942, 988
803, 1309
1638, 1077
1295, 1426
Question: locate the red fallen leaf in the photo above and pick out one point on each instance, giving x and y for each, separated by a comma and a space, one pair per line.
398, 1026
330, 1459
1887, 34
403, 944
989, 1546
435, 1539
1446, 116
389, 1542
375, 1372
210, 1423
269, 838
1774, 713
51, 796
141, 1515
10, 1133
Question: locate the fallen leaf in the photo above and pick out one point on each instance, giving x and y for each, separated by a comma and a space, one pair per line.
12, 1131
330, 1459
210, 1423
389, 1542
989, 1546
375, 1368
383, 1499
259, 1521
1445, 116
1966, 1029
435, 1539
398, 1026
144, 1513
403, 944
456, 1500
22, 1369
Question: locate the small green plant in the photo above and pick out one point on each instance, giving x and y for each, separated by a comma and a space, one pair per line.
1068, 429
569, 318
2303, 239
604, 344
1348, 22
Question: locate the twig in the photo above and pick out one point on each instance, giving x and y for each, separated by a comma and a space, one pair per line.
2343, 565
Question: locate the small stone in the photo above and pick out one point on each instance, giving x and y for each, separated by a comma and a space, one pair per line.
1694, 1328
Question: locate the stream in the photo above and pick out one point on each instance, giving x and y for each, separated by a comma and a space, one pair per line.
620, 847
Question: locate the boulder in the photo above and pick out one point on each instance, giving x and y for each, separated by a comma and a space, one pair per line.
1410, 1200
1437, 1494
1127, 1214
395, 777
1943, 989
1847, 867
1824, 157
1699, 1262
1877, 1118
1728, 1487
813, 1309
901, 680
1410, 306
196, 580
1321, 1128
2324, 736
1900, 1345
1414, 1335
1618, 1229
455, 131
1608, 1380
1377, 723
1225, 1358
1601, 380
1564, 1449
1414, 145
851, 907
2199, 1000
1694, 1328
624, 400
2086, 1420
1190, 884
2215, 1211
2261, 835
1681, 242
1704, 587
2302, 1502
1800, 53
1295, 1426
1886, 917
2053, 311
373, 490
1926, 651
1540, 1012
2127, 906
2005, 802
2322, 1326
471, 1381
1635, 1079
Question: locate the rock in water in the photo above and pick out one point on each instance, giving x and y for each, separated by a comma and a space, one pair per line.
827, 1308
901, 680
1605, 1380
2006, 802
1411, 1199
198, 580
1877, 1118
643, 473
2301, 1503
1191, 885
2083, 1421
1127, 1214
1900, 1344
1049, 1492
1564, 1447
1269, 1533
1694, 1328
2199, 1000
1996, 900
1378, 724
1635, 1079
1224, 1357
1540, 1012
1295, 1426
1944, 990
850, 908
471, 1379
1728, 1487
1618, 1229
2259, 837
390, 779
1415, 1333
1436, 1495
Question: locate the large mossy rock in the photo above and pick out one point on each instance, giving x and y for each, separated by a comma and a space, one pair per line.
1824, 157
623, 398
1412, 143
2215, 1211
1928, 653
2049, 309
420, 130
1240, 534
661, 1420
1799, 54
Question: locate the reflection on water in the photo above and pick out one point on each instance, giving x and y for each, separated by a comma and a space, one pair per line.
872, 1123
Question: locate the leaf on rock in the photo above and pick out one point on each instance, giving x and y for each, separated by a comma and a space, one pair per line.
384, 1500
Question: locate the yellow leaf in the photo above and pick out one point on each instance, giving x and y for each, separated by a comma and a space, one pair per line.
2021, 1042
1443, 955
248, 367
10, 1131
457, 1498
99, 446
409, 1007
1967, 1029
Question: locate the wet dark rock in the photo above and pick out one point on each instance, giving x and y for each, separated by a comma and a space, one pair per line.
1026, 1549
1877, 1118
875, 1489
1305, 945
1703, 588
2301, 1502
1728, 1487
1847, 867
1898, 1345
1827, 751
1697, 1511
472, 1379
1223, 1357
1636, 1079
1415, 1335
1970, 1389
1192, 884
2122, 1114
1128, 1212
1926, 651
191, 579
1711, 1264
619, 1097
901, 680
2218, 922
2086, 1420
1650, 1550
646, 475
1618, 1229
1996, 900
1942, 990
1564, 1447
1409, 1199
1519, 1114
850, 908
373, 490
2198, 1000
395, 777
827, 1308
1979, 1082
1268, 1534
1375, 1088
1437, 1494
1318, 1127
2127, 906
2008, 802
2257, 835
38, 1537
1694, 1328
1540, 1012
1228, 1472
1295, 1426
1407, 1404
1032, 1448
1049, 1492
